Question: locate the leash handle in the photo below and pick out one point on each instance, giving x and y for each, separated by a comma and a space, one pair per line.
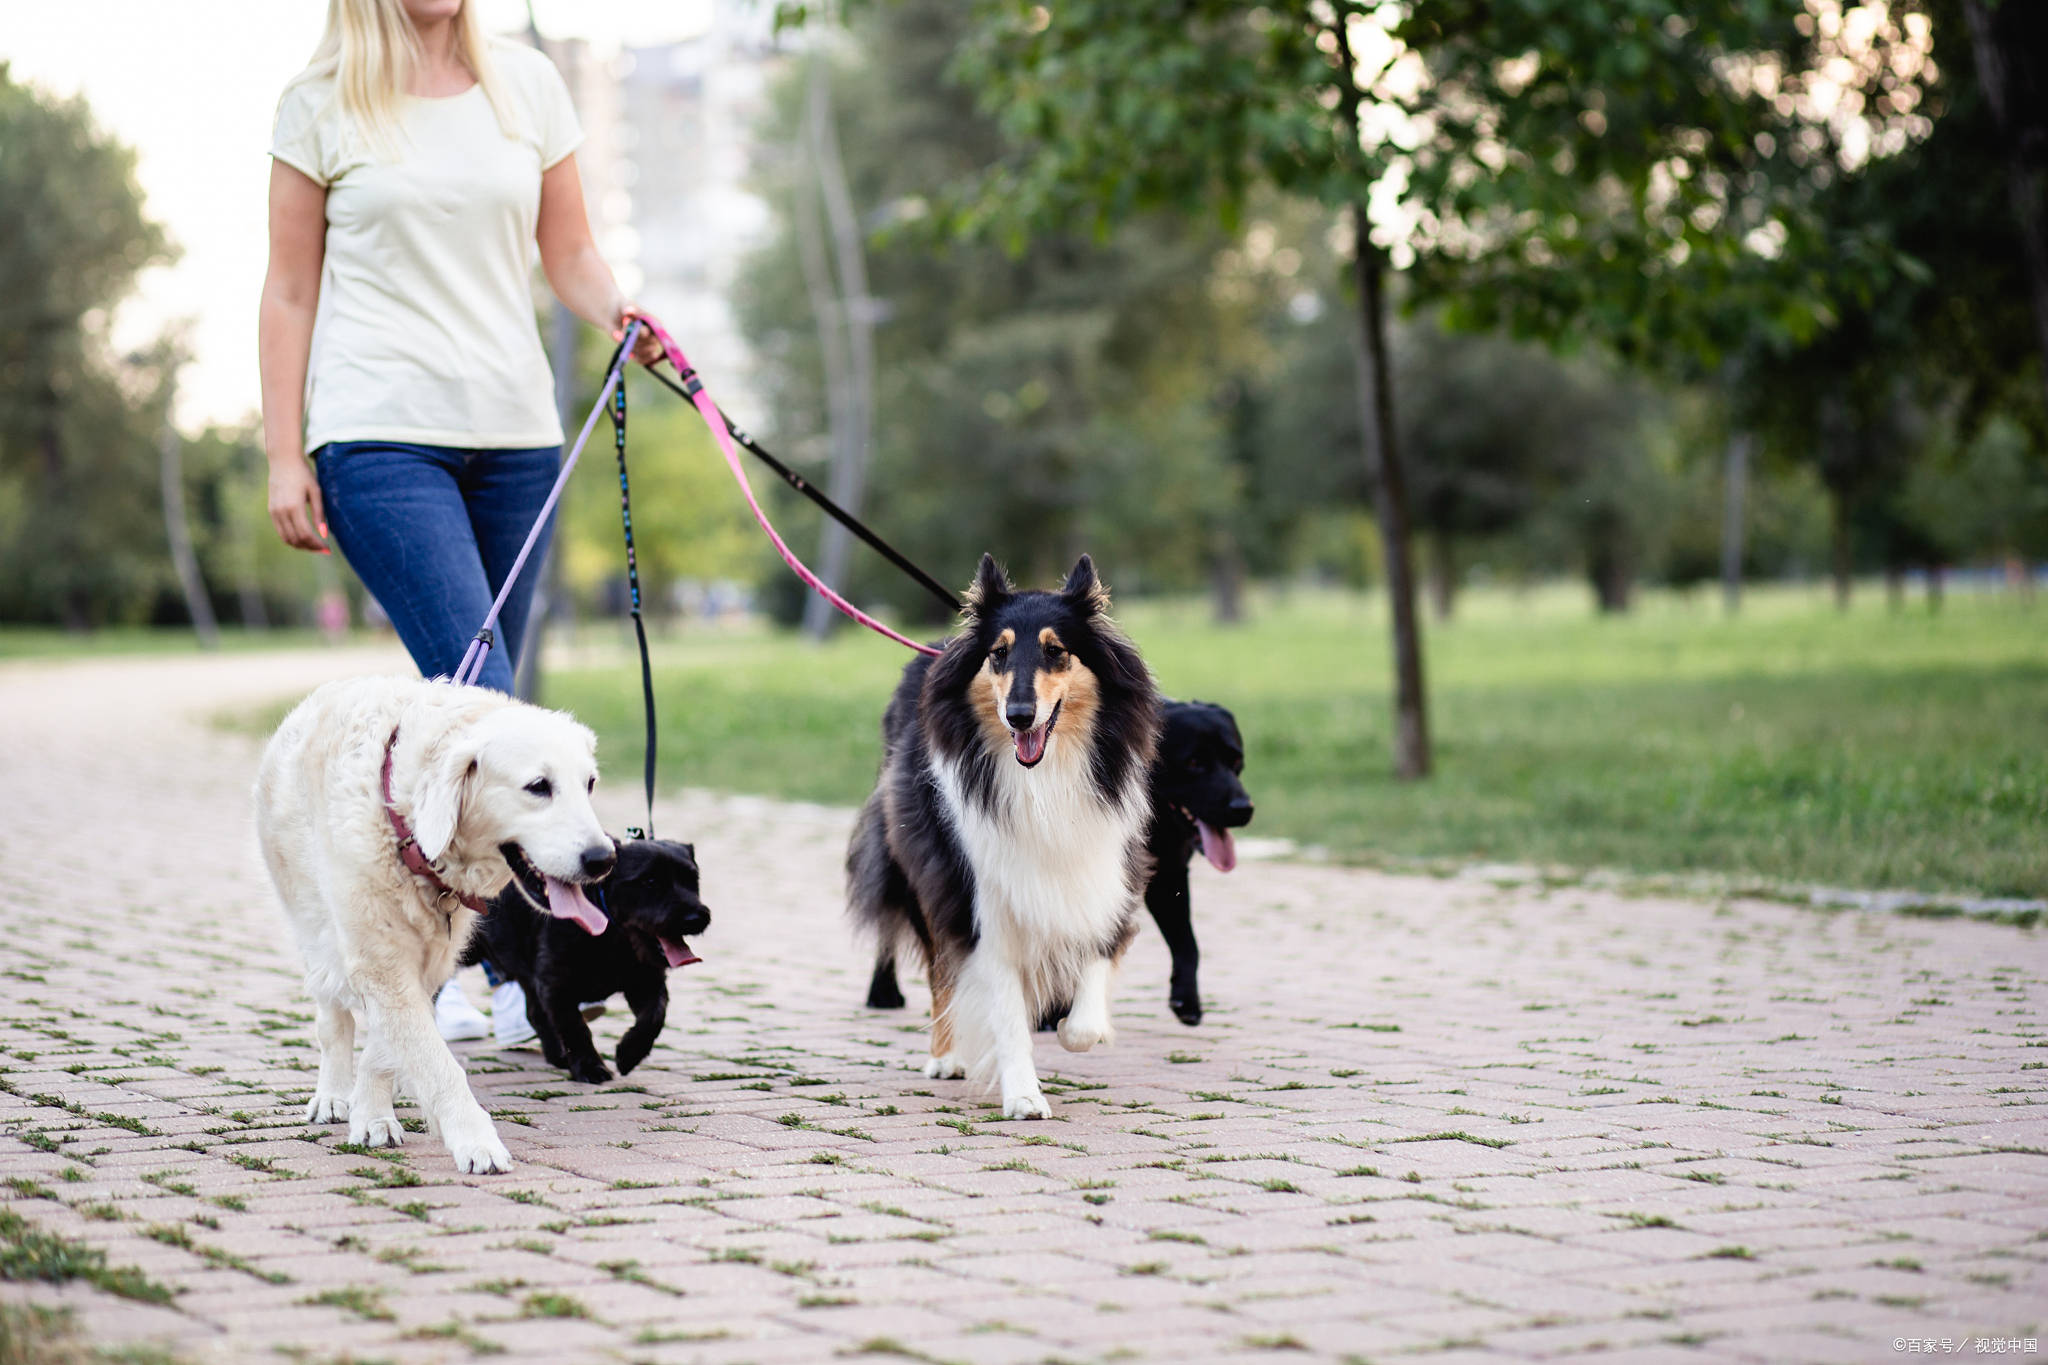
693, 389
633, 585
472, 666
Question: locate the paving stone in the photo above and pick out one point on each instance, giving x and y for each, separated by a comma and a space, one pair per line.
1524, 1126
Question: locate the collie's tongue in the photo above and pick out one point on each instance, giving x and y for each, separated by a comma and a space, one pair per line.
678, 952
1031, 744
1219, 846
566, 901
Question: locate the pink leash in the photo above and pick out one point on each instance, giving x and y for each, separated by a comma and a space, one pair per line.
708, 410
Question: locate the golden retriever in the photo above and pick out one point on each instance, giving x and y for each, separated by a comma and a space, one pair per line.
481, 782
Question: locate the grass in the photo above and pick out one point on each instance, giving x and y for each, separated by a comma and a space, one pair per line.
31, 1334
1794, 743
28, 1253
43, 643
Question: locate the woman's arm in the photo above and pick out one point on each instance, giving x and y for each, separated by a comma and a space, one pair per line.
284, 339
569, 258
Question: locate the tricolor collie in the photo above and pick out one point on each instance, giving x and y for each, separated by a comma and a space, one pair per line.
1006, 836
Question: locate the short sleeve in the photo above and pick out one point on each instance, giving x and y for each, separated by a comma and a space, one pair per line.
560, 131
298, 138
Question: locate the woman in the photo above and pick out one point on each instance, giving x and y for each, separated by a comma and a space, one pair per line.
416, 167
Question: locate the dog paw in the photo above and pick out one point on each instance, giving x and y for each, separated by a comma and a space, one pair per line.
590, 1071
1079, 1036
485, 1156
1026, 1104
327, 1109
376, 1130
946, 1068
1186, 1008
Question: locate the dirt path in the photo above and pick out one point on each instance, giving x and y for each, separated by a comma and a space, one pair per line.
1423, 1116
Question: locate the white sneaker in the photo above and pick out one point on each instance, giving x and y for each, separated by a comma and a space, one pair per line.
508, 1017
459, 1020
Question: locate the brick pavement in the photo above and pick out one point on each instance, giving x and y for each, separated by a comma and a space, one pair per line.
1425, 1117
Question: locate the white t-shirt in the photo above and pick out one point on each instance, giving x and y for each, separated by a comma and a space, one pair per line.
425, 330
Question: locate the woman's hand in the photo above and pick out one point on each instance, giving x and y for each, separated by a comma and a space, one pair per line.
295, 505
647, 347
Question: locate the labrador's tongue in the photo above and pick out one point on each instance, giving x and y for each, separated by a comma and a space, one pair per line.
1031, 744
678, 952
1218, 846
566, 901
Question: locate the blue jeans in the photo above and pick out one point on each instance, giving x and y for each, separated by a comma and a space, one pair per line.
432, 531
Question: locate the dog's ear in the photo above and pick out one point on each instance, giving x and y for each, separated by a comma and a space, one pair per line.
1084, 591
438, 797
989, 589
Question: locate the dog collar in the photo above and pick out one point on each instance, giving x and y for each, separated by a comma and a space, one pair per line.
409, 847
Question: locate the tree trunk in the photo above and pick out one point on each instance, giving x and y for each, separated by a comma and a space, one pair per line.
1443, 575
171, 474
1894, 588
1607, 565
1838, 553
850, 316
1737, 490
1226, 579
1999, 42
1390, 504
1934, 587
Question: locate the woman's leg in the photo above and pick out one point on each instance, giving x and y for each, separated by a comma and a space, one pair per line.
504, 491
397, 512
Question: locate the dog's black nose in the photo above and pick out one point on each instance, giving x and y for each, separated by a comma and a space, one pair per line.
1241, 811
1020, 715
598, 861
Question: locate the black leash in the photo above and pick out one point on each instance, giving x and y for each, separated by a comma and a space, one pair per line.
788, 476
830, 508
618, 414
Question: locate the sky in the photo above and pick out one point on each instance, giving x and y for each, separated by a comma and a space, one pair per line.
191, 85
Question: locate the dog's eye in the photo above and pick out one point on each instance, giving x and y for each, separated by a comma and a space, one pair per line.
591, 785
1195, 765
1055, 656
999, 656
541, 787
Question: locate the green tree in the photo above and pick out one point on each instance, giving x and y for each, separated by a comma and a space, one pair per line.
1616, 172
81, 535
1911, 373
1033, 405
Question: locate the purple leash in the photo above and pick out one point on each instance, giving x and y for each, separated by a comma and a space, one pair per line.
472, 665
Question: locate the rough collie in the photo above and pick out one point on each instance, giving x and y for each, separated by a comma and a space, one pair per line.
1005, 838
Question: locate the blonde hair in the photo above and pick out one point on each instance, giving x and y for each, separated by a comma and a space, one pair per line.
370, 51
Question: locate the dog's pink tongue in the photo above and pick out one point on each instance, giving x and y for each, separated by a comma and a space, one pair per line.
678, 952
1031, 743
1219, 846
566, 901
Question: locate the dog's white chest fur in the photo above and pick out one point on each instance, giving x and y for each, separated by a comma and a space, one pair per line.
1050, 856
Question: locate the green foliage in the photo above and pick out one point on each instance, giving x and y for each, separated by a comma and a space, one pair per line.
1866, 749
78, 539
1572, 171
1030, 405
688, 519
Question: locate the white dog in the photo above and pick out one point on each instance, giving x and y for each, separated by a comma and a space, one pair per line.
483, 788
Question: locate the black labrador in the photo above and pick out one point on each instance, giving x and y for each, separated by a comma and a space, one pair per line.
1198, 799
650, 900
